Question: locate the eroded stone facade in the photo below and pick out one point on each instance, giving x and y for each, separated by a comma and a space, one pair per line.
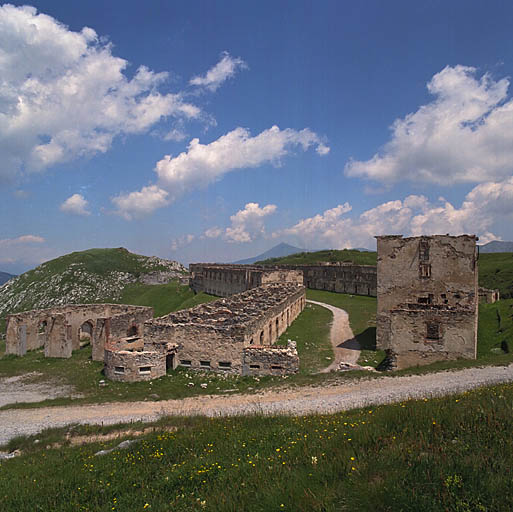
62, 329
226, 280
427, 298
339, 277
214, 336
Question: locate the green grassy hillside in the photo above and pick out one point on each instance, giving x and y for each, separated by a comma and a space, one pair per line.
95, 275
333, 256
496, 271
163, 298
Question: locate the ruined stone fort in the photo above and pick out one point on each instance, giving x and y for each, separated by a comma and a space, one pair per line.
427, 305
237, 334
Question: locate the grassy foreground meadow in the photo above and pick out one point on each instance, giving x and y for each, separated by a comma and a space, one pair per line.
451, 453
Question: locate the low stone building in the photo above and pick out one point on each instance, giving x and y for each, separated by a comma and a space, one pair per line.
227, 279
340, 277
62, 329
233, 335
487, 296
427, 298
224, 280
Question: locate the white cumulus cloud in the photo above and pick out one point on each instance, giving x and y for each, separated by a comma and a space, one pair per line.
202, 164
140, 203
464, 135
247, 224
181, 241
63, 94
224, 69
22, 249
76, 205
486, 205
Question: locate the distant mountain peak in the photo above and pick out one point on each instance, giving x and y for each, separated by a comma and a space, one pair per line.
278, 251
496, 246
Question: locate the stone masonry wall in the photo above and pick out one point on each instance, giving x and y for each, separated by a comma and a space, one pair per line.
59, 330
427, 298
213, 336
259, 360
126, 366
339, 277
228, 280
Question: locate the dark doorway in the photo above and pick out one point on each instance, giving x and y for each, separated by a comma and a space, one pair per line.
170, 362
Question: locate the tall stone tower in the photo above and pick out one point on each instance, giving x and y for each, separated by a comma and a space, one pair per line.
427, 298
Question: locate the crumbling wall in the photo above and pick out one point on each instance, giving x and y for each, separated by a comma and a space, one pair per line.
213, 336
259, 360
59, 329
59, 342
227, 280
127, 366
339, 277
487, 296
427, 298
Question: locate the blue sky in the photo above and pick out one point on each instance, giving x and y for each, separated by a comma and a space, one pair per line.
214, 130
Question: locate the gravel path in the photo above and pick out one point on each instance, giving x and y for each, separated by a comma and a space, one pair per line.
304, 400
345, 346
21, 389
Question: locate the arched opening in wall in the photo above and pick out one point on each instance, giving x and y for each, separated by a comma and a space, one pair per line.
262, 338
85, 334
41, 328
132, 331
41, 333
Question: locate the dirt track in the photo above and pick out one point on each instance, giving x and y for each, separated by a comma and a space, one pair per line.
305, 400
345, 346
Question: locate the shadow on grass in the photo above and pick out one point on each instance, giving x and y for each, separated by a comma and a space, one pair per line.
367, 339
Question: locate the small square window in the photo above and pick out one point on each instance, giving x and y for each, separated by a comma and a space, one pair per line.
119, 369
145, 369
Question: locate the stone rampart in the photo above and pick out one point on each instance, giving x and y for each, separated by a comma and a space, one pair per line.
226, 280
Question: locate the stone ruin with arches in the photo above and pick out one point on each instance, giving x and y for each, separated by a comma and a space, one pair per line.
237, 334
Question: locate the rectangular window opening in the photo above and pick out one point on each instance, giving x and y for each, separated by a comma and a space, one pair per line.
254, 366
224, 364
276, 367
425, 270
424, 250
119, 369
205, 364
145, 369
432, 331
185, 362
